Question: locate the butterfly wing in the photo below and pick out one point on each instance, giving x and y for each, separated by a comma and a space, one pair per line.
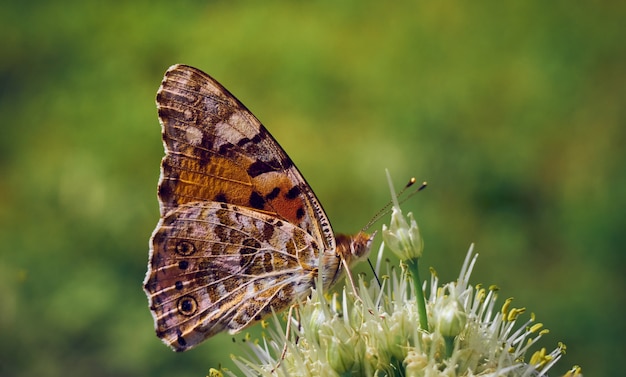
216, 150
240, 231
218, 267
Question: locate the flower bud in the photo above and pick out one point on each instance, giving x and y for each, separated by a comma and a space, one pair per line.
403, 239
450, 317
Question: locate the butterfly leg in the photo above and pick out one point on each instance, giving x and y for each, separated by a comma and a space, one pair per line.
349, 275
357, 298
287, 334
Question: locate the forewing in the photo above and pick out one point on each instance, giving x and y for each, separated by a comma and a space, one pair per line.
215, 266
216, 150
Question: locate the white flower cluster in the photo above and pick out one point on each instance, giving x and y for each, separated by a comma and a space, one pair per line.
402, 327
380, 335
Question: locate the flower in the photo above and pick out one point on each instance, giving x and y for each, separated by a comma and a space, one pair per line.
403, 239
451, 316
398, 328
380, 335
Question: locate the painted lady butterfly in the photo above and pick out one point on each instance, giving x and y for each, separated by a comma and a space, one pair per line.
241, 231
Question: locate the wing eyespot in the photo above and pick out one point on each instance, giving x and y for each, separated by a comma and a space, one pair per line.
187, 305
185, 248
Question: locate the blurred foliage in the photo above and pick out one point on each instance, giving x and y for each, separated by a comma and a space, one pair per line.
514, 112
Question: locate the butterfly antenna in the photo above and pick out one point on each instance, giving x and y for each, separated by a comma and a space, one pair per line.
409, 195
387, 207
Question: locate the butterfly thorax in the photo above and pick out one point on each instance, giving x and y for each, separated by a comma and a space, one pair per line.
350, 248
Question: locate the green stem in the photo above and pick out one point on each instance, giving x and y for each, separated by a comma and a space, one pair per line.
449, 345
419, 293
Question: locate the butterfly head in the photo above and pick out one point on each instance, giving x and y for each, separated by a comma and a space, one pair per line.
353, 248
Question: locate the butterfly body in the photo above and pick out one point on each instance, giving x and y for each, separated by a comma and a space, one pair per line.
241, 232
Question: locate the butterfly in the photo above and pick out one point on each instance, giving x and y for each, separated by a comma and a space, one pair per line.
241, 232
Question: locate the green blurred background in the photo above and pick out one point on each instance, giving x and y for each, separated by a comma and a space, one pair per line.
513, 111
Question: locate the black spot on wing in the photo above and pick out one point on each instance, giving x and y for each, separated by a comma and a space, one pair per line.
256, 200
293, 193
259, 167
165, 190
300, 213
243, 141
221, 197
273, 194
227, 150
